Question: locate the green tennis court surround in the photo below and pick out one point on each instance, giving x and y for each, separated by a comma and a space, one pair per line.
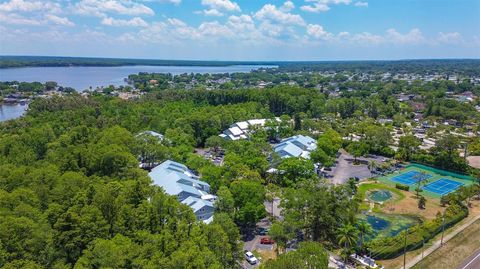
434, 182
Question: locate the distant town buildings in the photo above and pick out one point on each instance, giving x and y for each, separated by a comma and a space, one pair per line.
296, 146
176, 179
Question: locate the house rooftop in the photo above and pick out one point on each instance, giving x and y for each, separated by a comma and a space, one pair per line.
152, 133
296, 146
176, 179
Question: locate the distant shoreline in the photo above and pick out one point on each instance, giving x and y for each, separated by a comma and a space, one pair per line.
7, 61
47, 61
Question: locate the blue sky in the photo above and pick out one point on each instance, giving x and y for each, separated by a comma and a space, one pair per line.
242, 30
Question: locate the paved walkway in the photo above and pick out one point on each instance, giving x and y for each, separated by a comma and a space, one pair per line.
437, 244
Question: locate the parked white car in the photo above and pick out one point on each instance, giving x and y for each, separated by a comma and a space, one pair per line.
250, 258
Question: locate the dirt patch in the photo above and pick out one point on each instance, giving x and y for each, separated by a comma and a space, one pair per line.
474, 161
409, 206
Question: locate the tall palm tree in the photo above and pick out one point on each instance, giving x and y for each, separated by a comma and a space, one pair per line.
365, 229
347, 236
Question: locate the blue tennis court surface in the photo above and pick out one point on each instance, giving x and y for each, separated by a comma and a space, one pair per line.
410, 177
442, 186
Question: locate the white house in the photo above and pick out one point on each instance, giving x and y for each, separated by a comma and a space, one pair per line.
240, 130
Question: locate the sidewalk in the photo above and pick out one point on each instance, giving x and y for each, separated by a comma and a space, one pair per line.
437, 244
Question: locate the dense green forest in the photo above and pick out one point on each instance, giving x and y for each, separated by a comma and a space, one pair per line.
72, 193
462, 66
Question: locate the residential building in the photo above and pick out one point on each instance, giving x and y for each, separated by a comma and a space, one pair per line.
176, 179
152, 133
240, 130
296, 146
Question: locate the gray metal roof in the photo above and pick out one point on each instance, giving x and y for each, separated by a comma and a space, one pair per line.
296, 146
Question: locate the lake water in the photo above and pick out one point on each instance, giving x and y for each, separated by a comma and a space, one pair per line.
81, 78
8, 112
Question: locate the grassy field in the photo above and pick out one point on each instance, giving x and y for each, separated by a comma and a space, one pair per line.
403, 202
465, 243
434, 173
455, 251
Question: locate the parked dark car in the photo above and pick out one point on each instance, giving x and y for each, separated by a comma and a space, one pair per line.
262, 231
267, 241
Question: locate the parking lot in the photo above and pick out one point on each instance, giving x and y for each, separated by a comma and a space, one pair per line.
252, 242
345, 169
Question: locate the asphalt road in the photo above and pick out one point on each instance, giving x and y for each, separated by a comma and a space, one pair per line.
472, 262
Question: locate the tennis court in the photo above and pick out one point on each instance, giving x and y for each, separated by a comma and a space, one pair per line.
443, 186
436, 182
411, 177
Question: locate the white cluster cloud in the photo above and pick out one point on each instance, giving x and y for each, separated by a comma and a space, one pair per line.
175, 2
134, 22
287, 6
413, 37
269, 25
211, 12
450, 38
217, 7
59, 20
364, 38
32, 13
361, 4
391, 37
316, 31
12, 18
226, 5
271, 13
29, 6
101, 7
322, 5
15, 19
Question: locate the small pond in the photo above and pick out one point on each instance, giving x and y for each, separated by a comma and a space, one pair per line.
380, 195
388, 225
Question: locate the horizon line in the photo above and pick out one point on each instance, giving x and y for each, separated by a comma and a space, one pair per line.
250, 61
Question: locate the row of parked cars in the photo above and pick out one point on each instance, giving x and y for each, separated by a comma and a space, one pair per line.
251, 259
264, 240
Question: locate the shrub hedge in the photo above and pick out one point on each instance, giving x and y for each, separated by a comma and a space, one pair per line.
402, 187
392, 247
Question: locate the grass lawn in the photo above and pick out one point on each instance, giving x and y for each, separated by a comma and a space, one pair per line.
455, 251
402, 202
371, 186
265, 254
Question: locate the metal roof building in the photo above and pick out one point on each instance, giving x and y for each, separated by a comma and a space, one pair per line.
176, 179
296, 146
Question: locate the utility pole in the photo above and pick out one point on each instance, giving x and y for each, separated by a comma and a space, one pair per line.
405, 251
423, 246
443, 227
